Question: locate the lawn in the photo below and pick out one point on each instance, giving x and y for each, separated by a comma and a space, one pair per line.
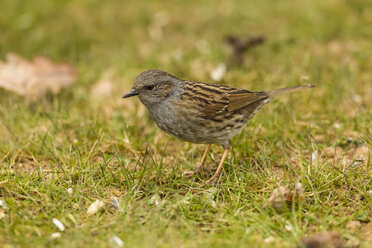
61, 153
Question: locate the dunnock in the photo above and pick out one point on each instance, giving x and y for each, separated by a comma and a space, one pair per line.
200, 112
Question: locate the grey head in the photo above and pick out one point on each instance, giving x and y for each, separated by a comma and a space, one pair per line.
154, 86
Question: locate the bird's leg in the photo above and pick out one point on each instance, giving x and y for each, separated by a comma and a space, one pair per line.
202, 162
200, 167
213, 179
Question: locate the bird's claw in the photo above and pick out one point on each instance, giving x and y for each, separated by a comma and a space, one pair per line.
212, 180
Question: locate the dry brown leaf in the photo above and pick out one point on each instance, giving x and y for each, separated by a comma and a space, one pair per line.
34, 79
323, 240
285, 195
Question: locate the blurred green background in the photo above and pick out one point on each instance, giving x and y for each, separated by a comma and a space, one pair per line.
92, 143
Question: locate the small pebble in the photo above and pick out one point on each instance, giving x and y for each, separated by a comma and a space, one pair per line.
3, 205
94, 207
55, 235
115, 203
116, 240
59, 224
219, 72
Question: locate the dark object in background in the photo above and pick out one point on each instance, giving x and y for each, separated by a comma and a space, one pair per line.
322, 240
240, 45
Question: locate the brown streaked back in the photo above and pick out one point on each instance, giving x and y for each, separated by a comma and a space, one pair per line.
215, 100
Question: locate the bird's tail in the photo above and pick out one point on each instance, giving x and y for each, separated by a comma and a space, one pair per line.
277, 92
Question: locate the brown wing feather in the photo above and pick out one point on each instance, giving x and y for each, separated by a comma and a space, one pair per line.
214, 100
241, 98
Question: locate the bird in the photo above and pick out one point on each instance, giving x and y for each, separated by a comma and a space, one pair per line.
199, 112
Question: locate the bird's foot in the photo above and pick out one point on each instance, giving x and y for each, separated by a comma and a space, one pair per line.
212, 180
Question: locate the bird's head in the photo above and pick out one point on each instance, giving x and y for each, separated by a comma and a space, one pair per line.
153, 87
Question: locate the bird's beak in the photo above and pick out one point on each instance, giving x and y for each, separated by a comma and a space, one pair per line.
130, 93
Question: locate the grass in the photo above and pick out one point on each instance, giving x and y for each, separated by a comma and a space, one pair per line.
105, 147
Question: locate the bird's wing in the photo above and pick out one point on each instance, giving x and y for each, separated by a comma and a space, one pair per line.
241, 98
212, 100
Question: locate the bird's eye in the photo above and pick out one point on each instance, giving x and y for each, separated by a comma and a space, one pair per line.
150, 87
